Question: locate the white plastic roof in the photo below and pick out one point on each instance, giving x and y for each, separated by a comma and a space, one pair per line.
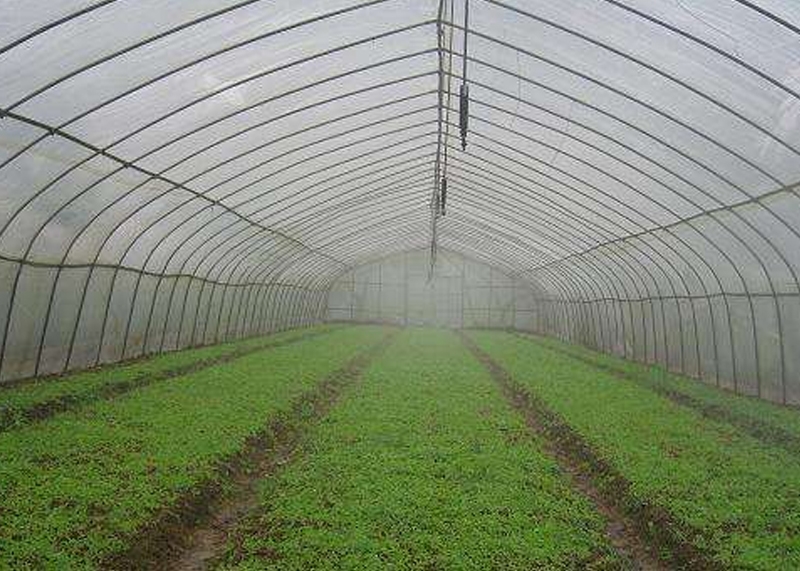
617, 149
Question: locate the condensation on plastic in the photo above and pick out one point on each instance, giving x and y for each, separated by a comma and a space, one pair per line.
174, 174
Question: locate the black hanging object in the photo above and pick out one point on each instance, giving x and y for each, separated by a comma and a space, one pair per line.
463, 114
443, 195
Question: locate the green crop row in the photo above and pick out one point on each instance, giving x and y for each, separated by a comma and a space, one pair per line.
731, 496
423, 466
80, 486
17, 401
783, 420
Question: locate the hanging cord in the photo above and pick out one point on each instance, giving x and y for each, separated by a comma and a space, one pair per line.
437, 169
439, 195
443, 196
449, 91
463, 111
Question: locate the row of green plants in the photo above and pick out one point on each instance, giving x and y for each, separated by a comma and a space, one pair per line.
731, 496
80, 486
19, 400
422, 466
784, 420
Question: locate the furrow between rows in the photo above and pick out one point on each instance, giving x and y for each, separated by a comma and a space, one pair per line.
629, 532
190, 534
423, 466
86, 484
715, 495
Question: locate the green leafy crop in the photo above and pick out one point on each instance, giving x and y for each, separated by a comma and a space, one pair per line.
782, 419
732, 496
15, 401
78, 487
424, 466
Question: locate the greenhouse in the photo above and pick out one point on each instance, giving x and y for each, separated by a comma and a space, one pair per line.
399, 284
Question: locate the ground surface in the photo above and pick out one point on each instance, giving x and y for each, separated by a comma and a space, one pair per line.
375, 448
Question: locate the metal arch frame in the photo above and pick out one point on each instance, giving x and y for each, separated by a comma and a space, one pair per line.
397, 233
487, 185
713, 101
751, 198
626, 96
9, 111
216, 203
721, 251
166, 235
748, 294
266, 260
162, 240
89, 223
252, 268
767, 241
708, 45
766, 273
612, 198
421, 248
475, 228
479, 254
750, 225
324, 230
52, 182
767, 14
114, 172
379, 224
522, 205
194, 62
54, 24
262, 102
484, 259
266, 265
647, 134
306, 160
397, 154
643, 64
261, 163
54, 284
571, 199
562, 283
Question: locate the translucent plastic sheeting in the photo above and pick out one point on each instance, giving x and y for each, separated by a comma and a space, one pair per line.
462, 292
178, 173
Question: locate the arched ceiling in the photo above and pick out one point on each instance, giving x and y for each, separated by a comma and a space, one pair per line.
261, 139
